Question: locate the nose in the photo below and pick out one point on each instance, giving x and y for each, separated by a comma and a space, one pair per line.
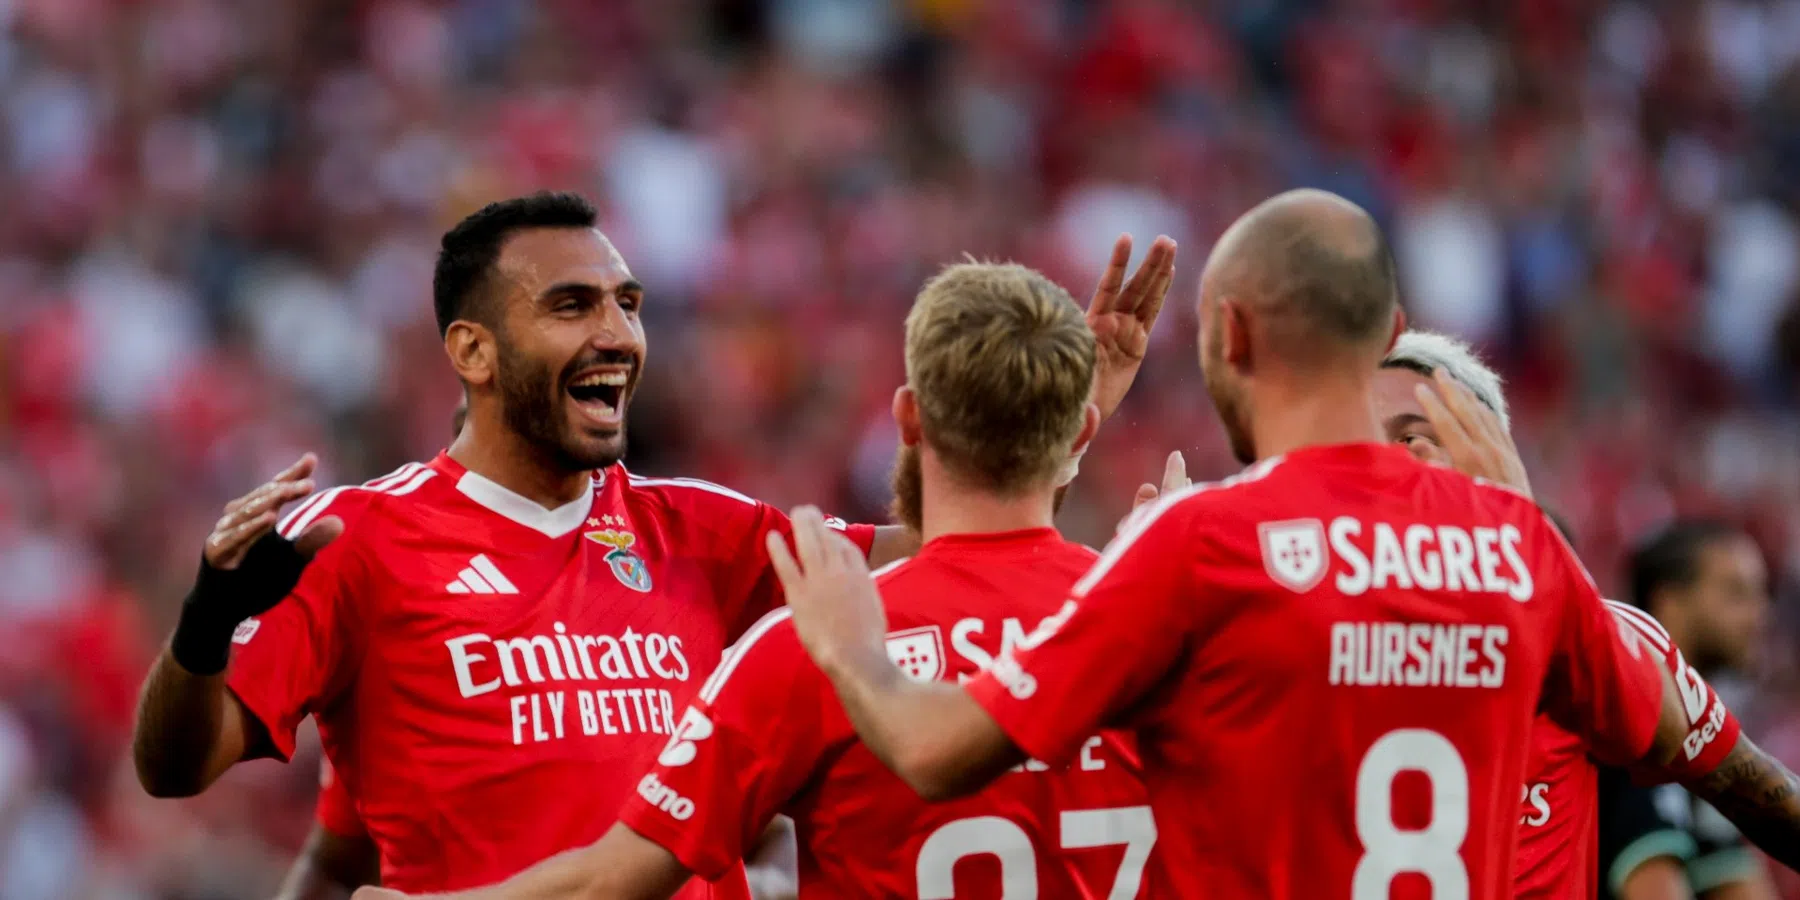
612, 326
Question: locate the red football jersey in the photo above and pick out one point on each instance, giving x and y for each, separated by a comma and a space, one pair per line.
1332, 662
767, 736
1559, 818
475, 660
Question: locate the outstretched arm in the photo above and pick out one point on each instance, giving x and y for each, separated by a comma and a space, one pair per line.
1760, 796
933, 735
622, 865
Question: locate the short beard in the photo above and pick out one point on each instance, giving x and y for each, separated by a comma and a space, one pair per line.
530, 403
909, 489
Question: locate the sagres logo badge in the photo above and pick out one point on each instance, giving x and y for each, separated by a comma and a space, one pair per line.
919, 652
627, 566
1294, 553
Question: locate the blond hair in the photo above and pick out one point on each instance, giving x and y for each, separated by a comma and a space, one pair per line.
1425, 352
1001, 361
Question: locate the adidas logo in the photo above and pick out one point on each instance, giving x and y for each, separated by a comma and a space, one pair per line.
481, 577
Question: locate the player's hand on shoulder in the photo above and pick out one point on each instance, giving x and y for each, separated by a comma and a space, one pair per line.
1479, 446
1122, 314
250, 565
837, 611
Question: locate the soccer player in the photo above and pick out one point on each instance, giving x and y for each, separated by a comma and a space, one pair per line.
997, 361
1330, 661
517, 621
1706, 581
1434, 394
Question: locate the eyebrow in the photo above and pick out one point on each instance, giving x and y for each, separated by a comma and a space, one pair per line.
628, 286
1404, 419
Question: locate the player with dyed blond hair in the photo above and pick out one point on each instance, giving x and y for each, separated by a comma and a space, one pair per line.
1320, 711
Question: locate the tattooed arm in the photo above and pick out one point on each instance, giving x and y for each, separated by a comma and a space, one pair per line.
1760, 796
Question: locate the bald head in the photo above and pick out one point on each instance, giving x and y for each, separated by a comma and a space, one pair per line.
1312, 267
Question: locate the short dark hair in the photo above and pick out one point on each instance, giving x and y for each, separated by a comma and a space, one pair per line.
470, 249
1671, 557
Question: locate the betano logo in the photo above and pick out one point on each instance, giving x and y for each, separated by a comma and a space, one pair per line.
665, 798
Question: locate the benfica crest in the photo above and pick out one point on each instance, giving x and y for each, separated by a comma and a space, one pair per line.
919, 652
1294, 553
626, 565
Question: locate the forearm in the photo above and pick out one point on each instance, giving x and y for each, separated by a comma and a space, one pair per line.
622, 865
931, 734
181, 743
1760, 796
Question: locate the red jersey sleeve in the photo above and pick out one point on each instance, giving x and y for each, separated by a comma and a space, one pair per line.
297, 657
759, 588
1074, 675
335, 812
1602, 682
748, 743
1712, 728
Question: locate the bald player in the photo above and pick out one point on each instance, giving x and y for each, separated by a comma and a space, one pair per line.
1321, 711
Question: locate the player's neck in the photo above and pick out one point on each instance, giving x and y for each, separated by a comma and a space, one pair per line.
950, 507
1312, 412
500, 456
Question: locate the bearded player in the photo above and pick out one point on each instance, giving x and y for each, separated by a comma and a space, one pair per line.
511, 624
1437, 398
1319, 713
997, 362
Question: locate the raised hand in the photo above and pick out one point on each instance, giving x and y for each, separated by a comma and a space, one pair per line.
253, 515
1174, 478
837, 611
1470, 432
246, 568
1122, 314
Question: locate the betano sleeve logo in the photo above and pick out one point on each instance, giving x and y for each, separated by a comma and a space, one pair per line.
682, 748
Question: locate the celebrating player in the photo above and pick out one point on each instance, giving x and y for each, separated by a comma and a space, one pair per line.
997, 361
1330, 661
513, 623
1462, 420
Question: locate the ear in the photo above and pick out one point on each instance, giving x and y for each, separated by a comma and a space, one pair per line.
1090, 426
472, 351
906, 416
1234, 325
1398, 329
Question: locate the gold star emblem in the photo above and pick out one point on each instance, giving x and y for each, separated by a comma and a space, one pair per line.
593, 523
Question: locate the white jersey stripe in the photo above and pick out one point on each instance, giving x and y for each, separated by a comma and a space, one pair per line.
694, 483
298, 511
1649, 628
299, 524
890, 567
413, 484
393, 478
471, 580
735, 653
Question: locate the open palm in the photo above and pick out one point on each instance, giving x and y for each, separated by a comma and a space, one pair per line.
1122, 314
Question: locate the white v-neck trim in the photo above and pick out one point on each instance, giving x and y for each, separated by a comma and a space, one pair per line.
498, 499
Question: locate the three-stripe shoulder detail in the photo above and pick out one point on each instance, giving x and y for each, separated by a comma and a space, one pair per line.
690, 483
1643, 623
398, 483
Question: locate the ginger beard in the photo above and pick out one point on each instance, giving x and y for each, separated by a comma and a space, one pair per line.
908, 484
536, 404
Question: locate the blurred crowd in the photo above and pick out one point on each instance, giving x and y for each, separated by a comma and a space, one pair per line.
220, 219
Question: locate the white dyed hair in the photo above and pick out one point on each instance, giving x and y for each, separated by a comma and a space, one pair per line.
1426, 352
